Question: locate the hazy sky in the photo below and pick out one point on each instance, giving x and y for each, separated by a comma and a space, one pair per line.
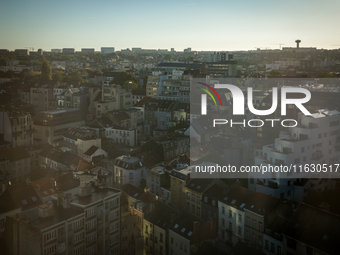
201, 25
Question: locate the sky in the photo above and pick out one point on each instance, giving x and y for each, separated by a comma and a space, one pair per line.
201, 25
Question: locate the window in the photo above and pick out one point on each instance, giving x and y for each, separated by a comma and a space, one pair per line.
266, 245
161, 237
230, 225
239, 230
230, 213
254, 223
223, 210
188, 195
260, 226
49, 236
272, 247
239, 218
198, 199
131, 176
51, 250
146, 229
260, 241
247, 235
248, 221
198, 211
223, 222
193, 197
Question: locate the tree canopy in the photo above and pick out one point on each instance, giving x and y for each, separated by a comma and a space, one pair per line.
46, 71
122, 77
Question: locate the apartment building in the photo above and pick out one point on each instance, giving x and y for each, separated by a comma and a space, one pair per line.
51, 125
156, 224
231, 214
88, 223
178, 180
156, 178
194, 189
316, 140
152, 85
128, 169
108, 98
17, 127
174, 87
188, 231
255, 217
19, 163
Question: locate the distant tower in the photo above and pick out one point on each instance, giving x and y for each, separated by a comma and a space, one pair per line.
297, 43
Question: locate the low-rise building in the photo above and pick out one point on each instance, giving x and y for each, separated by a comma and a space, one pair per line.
50, 126
128, 170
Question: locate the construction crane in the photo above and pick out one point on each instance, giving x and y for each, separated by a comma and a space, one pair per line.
278, 44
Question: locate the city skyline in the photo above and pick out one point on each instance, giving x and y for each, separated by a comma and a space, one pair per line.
215, 26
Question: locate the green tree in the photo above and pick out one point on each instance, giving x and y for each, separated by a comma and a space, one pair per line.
58, 76
122, 77
46, 71
130, 85
274, 73
168, 56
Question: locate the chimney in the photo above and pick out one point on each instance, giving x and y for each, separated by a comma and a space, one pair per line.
46, 210
60, 198
196, 228
84, 190
67, 201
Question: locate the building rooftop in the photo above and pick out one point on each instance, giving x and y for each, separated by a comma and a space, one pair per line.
315, 227
96, 194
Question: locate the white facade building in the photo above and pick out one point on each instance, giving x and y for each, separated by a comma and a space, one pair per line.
315, 140
128, 170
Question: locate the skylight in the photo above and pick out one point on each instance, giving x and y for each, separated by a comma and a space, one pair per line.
176, 226
24, 202
34, 199
183, 229
190, 233
242, 205
233, 202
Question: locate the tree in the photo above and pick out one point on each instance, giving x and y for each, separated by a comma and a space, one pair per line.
274, 73
123, 77
168, 56
46, 71
58, 76
130, 85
